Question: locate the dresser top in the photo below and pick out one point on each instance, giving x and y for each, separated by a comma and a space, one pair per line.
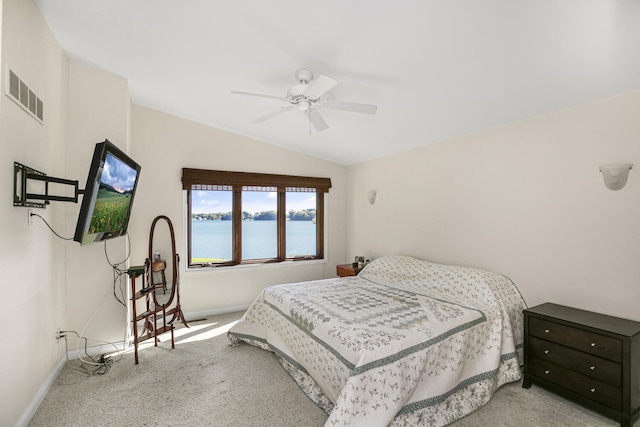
602, 322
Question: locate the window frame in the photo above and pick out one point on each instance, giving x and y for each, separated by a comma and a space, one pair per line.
208, 180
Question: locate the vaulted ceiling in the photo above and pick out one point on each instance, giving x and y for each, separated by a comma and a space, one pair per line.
436, 69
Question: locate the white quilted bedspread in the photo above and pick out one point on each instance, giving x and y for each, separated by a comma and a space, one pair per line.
406, 342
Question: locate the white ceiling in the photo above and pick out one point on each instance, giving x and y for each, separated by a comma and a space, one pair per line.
437, 69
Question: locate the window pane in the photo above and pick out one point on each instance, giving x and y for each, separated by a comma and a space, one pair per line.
301, 224
211, 231
260, 225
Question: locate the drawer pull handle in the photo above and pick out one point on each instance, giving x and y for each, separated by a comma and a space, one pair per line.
546, 331
593, 344
546, 352
546, 372
593, 368
593, 390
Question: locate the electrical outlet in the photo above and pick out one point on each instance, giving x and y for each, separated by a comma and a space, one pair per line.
59, 333
29, 216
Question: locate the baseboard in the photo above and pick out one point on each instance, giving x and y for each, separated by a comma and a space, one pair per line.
206, 313
33, 406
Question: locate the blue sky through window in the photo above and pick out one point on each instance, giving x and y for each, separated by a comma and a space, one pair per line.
252, 201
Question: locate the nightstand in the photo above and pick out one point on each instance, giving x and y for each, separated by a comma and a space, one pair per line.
590, 358
345, 270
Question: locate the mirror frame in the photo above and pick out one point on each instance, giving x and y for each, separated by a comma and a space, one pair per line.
176, 311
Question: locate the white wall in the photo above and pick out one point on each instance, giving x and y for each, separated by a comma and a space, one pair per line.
163, 145
526, 200
31, 258
98, 108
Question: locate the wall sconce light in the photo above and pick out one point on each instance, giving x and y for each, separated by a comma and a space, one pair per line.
615, 175
371, 197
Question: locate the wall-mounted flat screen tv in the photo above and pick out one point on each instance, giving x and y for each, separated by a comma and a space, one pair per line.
108, 196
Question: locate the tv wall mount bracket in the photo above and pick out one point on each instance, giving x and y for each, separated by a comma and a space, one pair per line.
22, 175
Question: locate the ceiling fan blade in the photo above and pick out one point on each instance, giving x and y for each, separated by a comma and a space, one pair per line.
271, 115
320, 86
262, 95
351, 106
316, 120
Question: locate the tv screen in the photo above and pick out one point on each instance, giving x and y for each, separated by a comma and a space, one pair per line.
108, 195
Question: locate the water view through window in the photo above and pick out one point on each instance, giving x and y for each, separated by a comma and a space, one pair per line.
211, 225
301, 224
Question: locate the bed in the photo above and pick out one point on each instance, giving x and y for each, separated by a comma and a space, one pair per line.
406, 342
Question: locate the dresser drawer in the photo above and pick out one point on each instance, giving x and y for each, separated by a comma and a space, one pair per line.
588, 342
585, 386
586, 364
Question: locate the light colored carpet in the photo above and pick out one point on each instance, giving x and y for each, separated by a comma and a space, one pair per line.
205, 382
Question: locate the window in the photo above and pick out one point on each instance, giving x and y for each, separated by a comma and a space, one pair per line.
239, 217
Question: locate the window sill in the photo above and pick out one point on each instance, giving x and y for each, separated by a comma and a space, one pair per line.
227, 268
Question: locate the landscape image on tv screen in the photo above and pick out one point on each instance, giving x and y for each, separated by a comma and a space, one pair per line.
113, 200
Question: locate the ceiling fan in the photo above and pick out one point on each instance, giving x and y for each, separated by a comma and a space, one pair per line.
306, 96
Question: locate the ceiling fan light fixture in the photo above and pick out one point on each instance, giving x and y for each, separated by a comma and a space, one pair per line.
304, 105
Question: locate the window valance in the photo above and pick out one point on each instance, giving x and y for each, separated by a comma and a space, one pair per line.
193, 179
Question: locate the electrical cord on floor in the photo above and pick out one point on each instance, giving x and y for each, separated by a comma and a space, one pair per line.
101, 366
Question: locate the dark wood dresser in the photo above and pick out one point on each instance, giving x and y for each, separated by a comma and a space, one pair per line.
590, 358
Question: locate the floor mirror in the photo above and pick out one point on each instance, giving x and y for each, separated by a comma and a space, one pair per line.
164, 271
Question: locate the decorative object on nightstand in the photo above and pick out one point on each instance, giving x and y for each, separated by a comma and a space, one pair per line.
344, 270
590, 358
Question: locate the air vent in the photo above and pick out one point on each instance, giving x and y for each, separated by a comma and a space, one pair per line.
19, 92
